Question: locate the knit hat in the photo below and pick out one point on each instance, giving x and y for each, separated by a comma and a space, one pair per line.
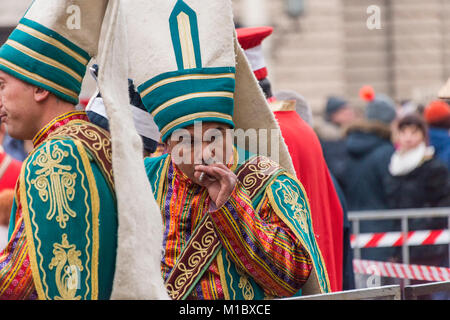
380, 107
437, 111
334, 104
43, 57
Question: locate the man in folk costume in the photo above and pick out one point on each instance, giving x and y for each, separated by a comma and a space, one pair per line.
63, 235
237, 225
309, 164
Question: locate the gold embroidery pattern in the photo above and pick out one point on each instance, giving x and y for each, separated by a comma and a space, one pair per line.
68, 265
256, 173
99, 143
198, 256
300, 213
55, 183
244, 284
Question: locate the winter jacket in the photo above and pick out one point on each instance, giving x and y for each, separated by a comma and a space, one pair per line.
440, 140
426, 186
369, 150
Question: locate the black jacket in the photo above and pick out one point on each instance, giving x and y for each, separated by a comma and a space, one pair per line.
426, 186
369, 151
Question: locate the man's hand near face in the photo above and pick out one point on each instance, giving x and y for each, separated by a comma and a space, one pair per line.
218, 179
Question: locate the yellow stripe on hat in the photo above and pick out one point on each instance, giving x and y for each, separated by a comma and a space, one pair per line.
53, 42
224, 94
184, 78
187, 46
38, 78
193, 116
37, 56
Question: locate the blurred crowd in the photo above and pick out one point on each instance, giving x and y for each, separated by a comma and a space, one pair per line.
390, 156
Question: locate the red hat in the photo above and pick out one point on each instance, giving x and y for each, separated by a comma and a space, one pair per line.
436, 111
250, 40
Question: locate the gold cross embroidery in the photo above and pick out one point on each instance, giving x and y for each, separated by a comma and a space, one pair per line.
55, 183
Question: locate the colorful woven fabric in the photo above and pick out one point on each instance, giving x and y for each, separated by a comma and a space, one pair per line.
16, 281
259, 242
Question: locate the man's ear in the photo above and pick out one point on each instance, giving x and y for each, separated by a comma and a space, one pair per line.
40, 94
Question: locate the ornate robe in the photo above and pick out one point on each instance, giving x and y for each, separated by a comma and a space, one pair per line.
63, 226
312, 171
259, 244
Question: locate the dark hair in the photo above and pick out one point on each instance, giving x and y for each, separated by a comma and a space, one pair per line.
414, 120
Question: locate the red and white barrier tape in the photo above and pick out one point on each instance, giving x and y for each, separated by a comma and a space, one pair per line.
394, 239
401, 271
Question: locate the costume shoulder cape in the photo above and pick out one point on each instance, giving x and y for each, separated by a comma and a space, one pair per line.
66, 196
262, 178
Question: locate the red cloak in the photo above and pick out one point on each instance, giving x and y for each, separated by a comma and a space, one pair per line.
9, 171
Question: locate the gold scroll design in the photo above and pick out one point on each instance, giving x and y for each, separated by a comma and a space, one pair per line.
300, 213
68, 266
191, 270
95, 140
56, 184
244, 284
256, 174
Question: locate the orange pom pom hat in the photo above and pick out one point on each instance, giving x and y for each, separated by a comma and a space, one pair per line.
436, 111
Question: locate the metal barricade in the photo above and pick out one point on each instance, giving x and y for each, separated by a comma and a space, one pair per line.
401, 214
379, 293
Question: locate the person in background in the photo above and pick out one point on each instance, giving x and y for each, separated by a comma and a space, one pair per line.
6, 200
437, 116
330, 129
369, 150
419, 179
302, 106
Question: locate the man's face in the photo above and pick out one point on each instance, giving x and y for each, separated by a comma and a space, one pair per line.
18, 109
344, 116
202, 143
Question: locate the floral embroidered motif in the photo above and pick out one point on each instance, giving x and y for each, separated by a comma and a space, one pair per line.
68, 265
300, 213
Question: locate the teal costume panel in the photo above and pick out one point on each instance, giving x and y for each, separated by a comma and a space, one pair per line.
71, 222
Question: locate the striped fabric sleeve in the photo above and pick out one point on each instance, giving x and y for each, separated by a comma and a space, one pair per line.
16, 281
261, 244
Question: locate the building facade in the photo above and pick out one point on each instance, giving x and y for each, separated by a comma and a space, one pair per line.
337, 46
401, 47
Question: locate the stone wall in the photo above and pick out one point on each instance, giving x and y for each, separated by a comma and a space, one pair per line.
330, 50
